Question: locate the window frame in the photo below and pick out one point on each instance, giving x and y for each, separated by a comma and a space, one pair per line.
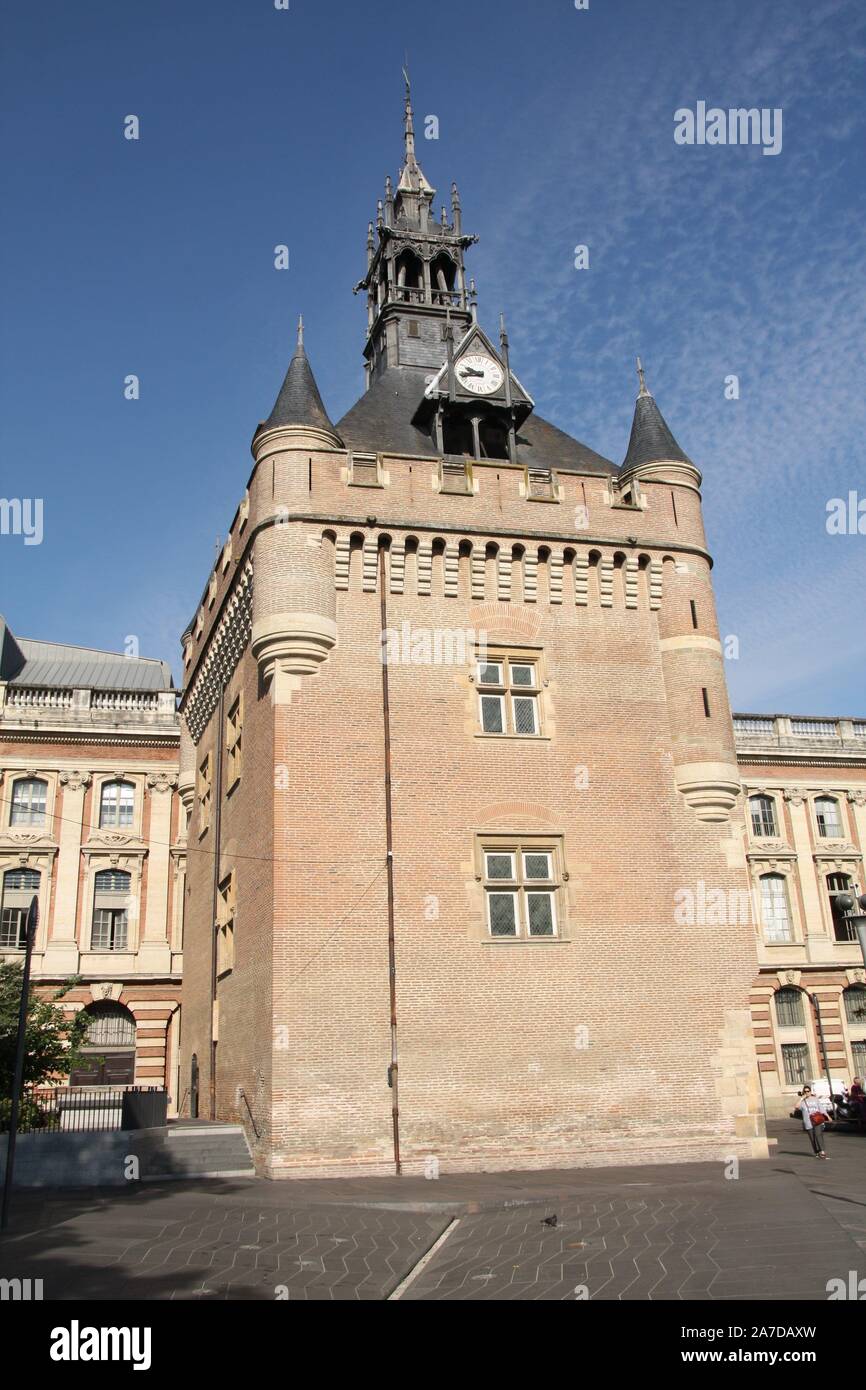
204, 791
117, 909
789, 993
28, 780
769, 940
820, 819
768, 804
522, 886
225, 924
120, 783
802, 1047
20, 907
507, 691
234, 742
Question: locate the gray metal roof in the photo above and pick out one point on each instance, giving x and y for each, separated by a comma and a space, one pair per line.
381, 422
84, 668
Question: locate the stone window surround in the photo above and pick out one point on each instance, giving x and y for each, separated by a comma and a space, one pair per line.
786, 867
825, 865
42, 862
514, 842
100, 779
9, 777
226, 911
497, 653
129, 861
234, 731
773, 794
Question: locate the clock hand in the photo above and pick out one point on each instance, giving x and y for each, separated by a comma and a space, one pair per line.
469, 371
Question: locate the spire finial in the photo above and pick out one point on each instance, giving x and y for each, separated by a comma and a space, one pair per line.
640, 376
300, 333
410, 124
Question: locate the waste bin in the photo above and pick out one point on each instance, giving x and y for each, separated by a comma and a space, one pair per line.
144, 1109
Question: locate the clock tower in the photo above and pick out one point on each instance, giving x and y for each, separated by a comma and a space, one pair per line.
421, 316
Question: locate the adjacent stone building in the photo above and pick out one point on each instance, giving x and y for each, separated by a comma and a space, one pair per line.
456, 744
804, 783
91, 823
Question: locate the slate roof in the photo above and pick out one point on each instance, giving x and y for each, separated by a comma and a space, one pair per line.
650, 440
381, 422
83, 668
299, 402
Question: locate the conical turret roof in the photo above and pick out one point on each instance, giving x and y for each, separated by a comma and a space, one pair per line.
299, 401
651, 440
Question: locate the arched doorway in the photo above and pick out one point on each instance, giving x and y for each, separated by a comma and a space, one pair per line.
108, 1056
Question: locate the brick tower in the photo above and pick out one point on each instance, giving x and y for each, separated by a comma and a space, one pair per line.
461, 774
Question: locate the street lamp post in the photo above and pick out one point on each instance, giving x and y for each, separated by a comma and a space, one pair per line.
849, 906
18, 1076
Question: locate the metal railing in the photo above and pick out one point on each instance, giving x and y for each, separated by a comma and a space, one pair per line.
70, 1109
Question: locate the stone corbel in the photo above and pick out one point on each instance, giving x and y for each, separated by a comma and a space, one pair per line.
857, 798
289, 646
796, 795
711, 789
161, 781
75, 780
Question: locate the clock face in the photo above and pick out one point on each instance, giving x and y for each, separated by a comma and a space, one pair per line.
479, 374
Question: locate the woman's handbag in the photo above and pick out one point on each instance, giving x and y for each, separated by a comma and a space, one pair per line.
818, 1118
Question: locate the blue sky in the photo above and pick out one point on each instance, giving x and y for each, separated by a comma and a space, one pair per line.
261, 127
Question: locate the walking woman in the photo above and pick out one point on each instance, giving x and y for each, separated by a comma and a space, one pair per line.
814, 1120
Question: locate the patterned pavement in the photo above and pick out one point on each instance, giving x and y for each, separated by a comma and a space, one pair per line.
780, 1230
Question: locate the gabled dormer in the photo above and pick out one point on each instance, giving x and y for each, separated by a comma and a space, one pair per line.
474, 404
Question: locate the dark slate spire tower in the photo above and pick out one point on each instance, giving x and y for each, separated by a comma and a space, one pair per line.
415, 274
651, 440
298, 408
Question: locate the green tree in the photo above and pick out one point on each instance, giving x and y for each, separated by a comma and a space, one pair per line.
53, 1039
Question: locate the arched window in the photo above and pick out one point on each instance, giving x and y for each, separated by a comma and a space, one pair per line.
775, 908
762, 810
443, 274
843, 927
108, 1055
789, 1008
111, 1025
19, 885
29, 797
116, 805
828, 818
410, 278
855, 1004
110, 911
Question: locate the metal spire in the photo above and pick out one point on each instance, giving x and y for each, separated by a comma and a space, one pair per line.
640, 376
410, 123
300, 333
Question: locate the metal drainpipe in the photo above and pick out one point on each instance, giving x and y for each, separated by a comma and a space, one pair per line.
217, 829
389, 845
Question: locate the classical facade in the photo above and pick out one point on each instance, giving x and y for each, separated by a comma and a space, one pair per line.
804, 784
456, 740
92, 824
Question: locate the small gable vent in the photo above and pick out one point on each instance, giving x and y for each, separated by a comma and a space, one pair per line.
365, 471
541, 484
455, 475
